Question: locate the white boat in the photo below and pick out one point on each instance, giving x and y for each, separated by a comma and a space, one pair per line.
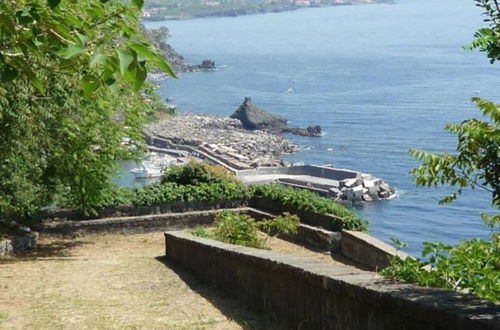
147, 170
153, 166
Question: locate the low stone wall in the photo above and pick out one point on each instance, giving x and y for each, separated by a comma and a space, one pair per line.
132, 210
19, 244
300, 293
367, 250
135, 224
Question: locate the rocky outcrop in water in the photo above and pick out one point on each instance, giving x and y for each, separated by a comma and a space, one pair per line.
313, 131
254, 117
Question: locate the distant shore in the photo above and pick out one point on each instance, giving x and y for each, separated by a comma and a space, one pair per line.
171, 10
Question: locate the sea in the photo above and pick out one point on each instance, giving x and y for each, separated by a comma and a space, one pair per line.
379, 79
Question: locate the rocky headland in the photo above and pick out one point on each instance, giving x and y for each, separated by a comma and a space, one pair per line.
178, 63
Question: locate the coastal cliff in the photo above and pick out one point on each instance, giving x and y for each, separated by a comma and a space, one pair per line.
178, 63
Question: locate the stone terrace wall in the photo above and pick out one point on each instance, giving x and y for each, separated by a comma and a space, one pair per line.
303, 294
132, 210
368, 250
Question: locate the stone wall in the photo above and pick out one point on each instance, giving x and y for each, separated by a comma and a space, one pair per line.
134, 224
300, 293
367, 250
132, 210
19, 244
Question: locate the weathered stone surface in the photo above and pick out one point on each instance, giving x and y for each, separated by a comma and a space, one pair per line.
254, 117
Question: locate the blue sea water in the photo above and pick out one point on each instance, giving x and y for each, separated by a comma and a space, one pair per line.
379, 79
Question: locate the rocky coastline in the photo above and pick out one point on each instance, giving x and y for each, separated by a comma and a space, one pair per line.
177, 62
161, 12
252, 140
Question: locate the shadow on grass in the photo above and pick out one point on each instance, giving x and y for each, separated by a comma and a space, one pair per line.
227, 305
58, 249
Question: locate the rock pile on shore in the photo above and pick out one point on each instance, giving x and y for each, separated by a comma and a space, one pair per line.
224, 136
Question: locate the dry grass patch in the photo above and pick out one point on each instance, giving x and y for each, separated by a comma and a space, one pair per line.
109, 282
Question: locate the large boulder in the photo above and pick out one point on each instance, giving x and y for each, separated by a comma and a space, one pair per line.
253, 117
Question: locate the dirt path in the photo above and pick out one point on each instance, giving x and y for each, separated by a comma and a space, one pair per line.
111, 282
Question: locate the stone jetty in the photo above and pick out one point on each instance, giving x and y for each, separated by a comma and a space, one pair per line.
225, 137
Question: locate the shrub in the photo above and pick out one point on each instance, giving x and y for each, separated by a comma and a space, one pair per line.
305, 200
195, 173
472, 266
241, 229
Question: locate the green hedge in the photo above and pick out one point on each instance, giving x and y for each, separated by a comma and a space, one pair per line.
306, 200
169, 192
198, 181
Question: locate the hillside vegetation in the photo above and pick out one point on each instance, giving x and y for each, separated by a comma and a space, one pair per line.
185, 9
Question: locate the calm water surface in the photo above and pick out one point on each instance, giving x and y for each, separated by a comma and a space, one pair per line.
379, 79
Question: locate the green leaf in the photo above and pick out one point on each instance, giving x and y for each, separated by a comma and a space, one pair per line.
153, 57
140, 76
125, 57
53, 3
89, 85
71, 51
37, 83
97, 58
138, 3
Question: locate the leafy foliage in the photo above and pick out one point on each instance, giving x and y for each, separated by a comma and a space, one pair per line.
69, 72
95, 42
306, 200
477, 162
170, 192
471, 266
241, 229
197, 172
198, 181
488, 39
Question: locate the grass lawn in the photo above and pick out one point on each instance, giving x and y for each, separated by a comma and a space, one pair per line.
111, 282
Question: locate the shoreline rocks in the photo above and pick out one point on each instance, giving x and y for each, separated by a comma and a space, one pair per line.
312, 131
225, 138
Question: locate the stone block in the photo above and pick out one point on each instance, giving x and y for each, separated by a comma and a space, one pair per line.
349, 183
357, 194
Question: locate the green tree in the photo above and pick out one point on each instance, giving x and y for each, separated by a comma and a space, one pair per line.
72, 88
477, 161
